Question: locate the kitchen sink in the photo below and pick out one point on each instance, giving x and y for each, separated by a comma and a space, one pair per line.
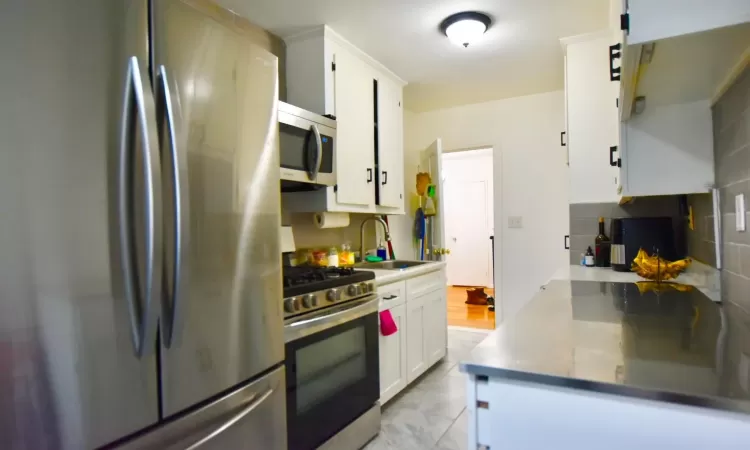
391, 265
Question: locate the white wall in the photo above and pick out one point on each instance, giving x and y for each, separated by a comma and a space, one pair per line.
530, 164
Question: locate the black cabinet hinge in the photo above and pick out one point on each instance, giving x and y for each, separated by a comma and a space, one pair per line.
333, 66
617, 102
335, 188
625, 22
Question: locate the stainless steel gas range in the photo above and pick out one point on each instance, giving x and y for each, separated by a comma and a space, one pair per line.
331, 335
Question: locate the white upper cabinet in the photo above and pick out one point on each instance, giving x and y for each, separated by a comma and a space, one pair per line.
328, 75
652, 20
390, 145
675, 60
592, 125
353, 87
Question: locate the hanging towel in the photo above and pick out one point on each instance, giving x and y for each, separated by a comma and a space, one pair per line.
387, 324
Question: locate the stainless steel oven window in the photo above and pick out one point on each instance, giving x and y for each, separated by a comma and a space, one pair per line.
329, 366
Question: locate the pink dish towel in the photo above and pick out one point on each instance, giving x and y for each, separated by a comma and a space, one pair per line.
387, 324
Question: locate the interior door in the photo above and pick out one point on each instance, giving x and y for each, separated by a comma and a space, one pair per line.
355, 117
73, 374
431, 162
467, 232
221, 321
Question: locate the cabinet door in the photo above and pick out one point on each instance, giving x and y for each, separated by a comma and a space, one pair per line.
355, 146
416, 353
592, 121
393, 357
390, 144
436, 326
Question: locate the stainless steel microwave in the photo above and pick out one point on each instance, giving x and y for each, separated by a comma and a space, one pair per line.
307, 147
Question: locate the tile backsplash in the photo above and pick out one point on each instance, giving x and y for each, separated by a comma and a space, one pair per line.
731, 122
584, 223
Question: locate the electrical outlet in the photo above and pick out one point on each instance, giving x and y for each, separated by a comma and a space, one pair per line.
515, 222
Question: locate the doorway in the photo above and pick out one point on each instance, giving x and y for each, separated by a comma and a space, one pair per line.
468, 187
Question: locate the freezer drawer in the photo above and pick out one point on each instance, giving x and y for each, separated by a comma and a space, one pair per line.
250, 418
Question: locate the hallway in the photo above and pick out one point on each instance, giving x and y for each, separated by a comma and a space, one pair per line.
468, 316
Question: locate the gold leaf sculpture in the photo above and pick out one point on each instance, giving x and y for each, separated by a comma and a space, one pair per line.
656, 268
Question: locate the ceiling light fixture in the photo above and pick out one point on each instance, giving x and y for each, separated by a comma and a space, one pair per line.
465, 28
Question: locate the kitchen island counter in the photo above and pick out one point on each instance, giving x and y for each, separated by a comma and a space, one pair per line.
611, 338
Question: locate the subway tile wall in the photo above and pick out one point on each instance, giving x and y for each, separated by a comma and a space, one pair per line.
731, 121
584, 223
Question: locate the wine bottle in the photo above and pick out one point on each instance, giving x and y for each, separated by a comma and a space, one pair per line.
602, 244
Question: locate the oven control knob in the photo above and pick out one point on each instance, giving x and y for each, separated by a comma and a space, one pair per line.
310, 300
365, 287
333, 295
291, 305
352, 290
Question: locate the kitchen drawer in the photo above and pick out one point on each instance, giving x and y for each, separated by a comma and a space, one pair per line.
391, 295
425, 283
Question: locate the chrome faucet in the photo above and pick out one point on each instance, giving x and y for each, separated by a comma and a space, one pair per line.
362, 234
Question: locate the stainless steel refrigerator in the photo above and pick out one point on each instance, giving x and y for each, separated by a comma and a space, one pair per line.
140, 273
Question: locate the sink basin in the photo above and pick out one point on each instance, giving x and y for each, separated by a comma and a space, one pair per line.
391, 265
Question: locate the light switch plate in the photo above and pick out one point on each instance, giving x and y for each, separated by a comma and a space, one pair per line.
515, 222
739, 210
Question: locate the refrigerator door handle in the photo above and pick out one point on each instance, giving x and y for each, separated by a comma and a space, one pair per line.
255, 401
172, 320
141, 296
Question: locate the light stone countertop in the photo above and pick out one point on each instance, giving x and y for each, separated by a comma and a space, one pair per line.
383, 277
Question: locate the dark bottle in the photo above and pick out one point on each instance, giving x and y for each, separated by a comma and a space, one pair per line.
589, 257
602, 244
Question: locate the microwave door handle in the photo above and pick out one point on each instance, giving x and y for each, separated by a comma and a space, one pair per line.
319, 146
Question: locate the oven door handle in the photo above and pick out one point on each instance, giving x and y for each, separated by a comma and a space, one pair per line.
299, 328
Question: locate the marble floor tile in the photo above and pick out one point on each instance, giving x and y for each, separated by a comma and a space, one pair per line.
457, 436
409, 429
431, 413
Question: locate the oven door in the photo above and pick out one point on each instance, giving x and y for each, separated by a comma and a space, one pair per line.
332, 371
307, 150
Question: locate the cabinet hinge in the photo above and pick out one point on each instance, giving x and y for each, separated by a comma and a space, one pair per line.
625, 22
333, 66
335, 188
617, 102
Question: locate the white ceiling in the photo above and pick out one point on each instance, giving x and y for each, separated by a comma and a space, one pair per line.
519, 55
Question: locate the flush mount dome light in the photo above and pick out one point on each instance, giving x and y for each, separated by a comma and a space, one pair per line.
465, 28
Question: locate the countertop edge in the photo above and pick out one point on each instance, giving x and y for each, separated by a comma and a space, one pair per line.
605, 388
384, 277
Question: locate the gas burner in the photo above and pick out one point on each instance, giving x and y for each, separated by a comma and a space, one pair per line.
295, 276
308, 288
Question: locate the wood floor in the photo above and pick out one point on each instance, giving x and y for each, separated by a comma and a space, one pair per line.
470, 316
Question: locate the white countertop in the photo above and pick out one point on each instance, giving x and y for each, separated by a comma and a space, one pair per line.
383, 277
703, 277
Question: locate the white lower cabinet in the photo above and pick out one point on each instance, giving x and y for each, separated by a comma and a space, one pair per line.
436, 326
393, 373
416, 351
419, 309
